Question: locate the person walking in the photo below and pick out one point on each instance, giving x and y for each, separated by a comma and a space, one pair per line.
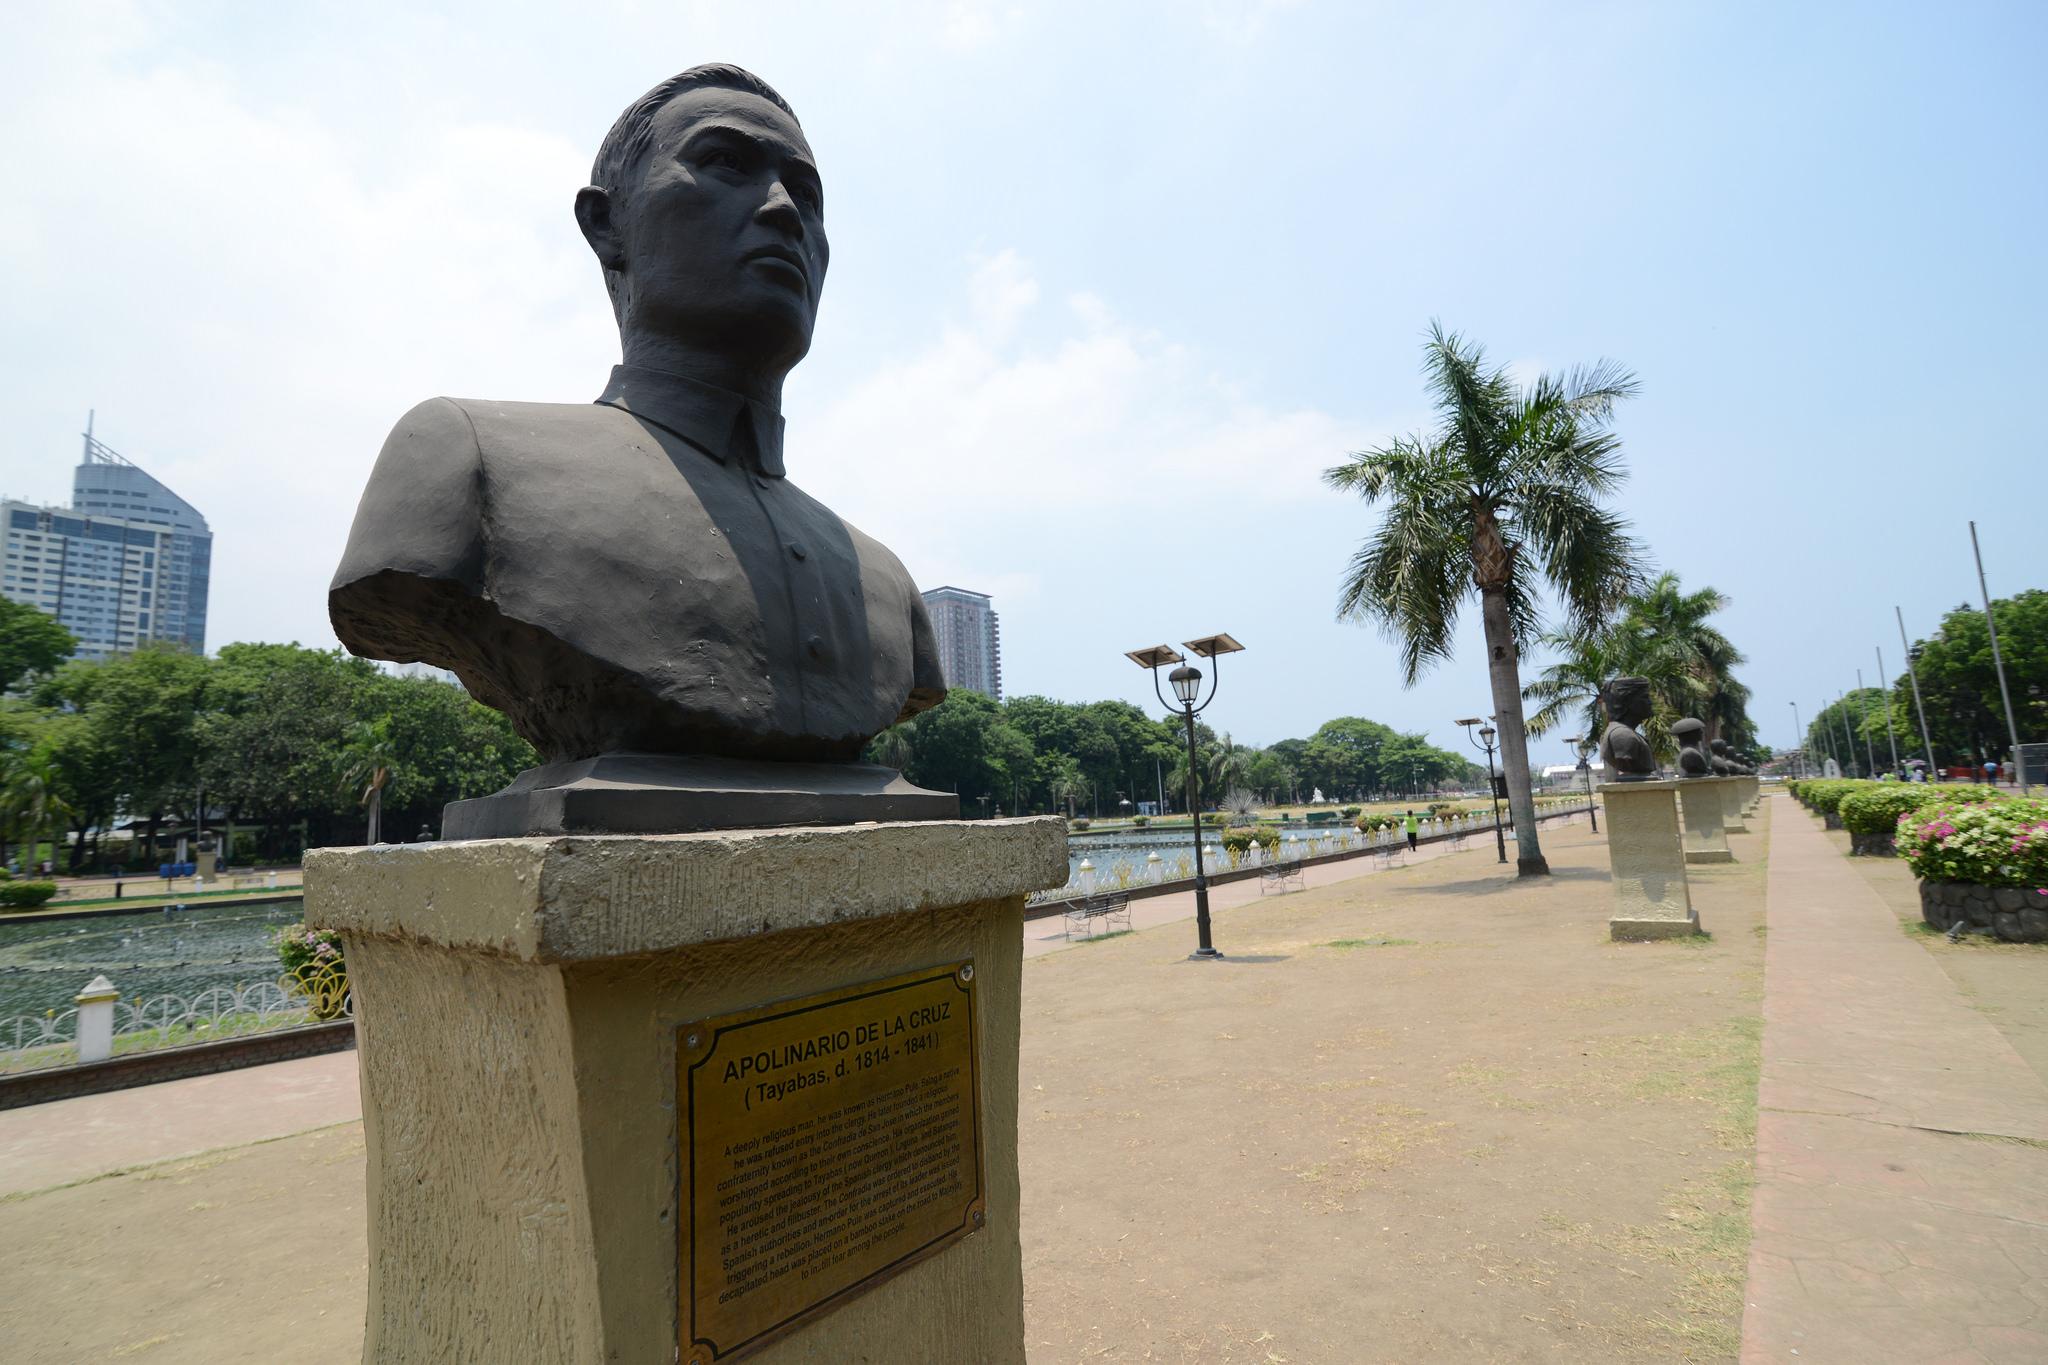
1411, 826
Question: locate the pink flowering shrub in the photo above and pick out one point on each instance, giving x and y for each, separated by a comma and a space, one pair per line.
1997, 843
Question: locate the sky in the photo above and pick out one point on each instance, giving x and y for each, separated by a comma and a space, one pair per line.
1111, 286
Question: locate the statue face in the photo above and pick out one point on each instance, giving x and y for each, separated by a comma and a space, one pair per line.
722, 229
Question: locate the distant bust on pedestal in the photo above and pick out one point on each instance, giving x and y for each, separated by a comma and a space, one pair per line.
635, 575
1692, 759
1627, 754
1726, 762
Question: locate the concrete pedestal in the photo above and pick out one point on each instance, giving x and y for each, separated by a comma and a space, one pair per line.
520, 1005
1701, 804
1651, 898
1734, 796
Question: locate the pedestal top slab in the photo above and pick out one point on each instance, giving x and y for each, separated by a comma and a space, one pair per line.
589, 897
1661, 784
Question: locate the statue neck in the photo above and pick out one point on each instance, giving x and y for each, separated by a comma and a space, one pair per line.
719, 369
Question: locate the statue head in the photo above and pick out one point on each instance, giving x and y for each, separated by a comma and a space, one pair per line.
1626, 700
1687, 732
1720, 746
706, 211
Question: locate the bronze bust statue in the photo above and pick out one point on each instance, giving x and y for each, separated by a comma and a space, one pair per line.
634, 581
1626, 754
1726, 762
1692, 758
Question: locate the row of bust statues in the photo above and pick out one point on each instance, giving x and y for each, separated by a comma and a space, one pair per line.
1629, 757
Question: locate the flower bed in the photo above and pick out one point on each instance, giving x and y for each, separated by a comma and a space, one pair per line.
1983, 864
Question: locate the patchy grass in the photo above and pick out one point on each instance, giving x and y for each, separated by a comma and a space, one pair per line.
1104, 938
1368, 943
1987, 943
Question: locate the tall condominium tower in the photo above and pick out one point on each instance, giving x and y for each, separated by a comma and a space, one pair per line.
128, 562
970, 640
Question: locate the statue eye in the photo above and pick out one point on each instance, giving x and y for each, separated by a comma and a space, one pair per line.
725, 158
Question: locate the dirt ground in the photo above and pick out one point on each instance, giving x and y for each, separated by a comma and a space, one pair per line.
2006, 982
1431, 1114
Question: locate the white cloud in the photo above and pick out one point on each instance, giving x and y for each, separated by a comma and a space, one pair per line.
1021, 430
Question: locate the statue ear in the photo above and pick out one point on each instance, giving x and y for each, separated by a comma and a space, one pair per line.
594, 217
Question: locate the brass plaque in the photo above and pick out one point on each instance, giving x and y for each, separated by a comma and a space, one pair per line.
827, 1143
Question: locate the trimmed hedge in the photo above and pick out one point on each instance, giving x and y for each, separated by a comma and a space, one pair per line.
1876, 808
26, 895
1242, 838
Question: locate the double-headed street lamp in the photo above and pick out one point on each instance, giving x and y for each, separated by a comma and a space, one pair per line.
1187, 685
1586, 768
1485, 739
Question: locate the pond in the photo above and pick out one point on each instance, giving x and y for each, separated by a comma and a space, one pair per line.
1120, 856
147, 953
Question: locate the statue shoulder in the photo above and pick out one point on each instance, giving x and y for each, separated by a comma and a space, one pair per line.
418, 530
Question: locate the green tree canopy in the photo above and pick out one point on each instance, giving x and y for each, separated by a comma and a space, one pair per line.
31, 644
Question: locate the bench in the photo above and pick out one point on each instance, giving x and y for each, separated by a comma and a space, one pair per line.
1082, 914
1282, 877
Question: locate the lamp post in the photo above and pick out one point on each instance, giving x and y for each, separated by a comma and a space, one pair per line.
1913, 672
1187, 685
1800, 762
1891, 735
1863, 724
1485, 740
1579, 742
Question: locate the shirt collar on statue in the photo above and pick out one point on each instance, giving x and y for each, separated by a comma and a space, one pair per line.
717, 421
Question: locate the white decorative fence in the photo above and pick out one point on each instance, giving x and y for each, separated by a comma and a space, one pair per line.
102, 1025
1156, 868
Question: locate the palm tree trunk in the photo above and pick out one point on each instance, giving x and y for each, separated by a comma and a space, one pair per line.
1503, 665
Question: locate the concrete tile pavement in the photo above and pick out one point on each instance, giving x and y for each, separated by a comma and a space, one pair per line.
53, 1144
1901, 1205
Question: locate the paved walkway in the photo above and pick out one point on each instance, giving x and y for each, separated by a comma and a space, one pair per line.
66, 1140
1901, 1206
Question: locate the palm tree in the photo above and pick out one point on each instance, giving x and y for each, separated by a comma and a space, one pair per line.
1229, 765
30, 803
1502, 500
893, 748
1666, 612
370, 762
1661, 634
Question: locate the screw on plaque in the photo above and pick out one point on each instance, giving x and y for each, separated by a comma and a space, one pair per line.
979, 1218
967, 972
690, 1041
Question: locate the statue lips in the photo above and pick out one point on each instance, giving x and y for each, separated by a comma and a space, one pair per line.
785, 263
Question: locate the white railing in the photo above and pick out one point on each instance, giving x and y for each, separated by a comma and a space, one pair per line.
101, 1024
1125, 874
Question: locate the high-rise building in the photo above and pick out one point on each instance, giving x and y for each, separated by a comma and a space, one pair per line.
128, 562
970, 640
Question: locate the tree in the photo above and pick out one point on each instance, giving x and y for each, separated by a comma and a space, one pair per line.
965, 745
369, 764
144, 708
1503, 499
1959, 682
1661, 635
1665, 616
31, 644
274, 739
30, 802
1343, 757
